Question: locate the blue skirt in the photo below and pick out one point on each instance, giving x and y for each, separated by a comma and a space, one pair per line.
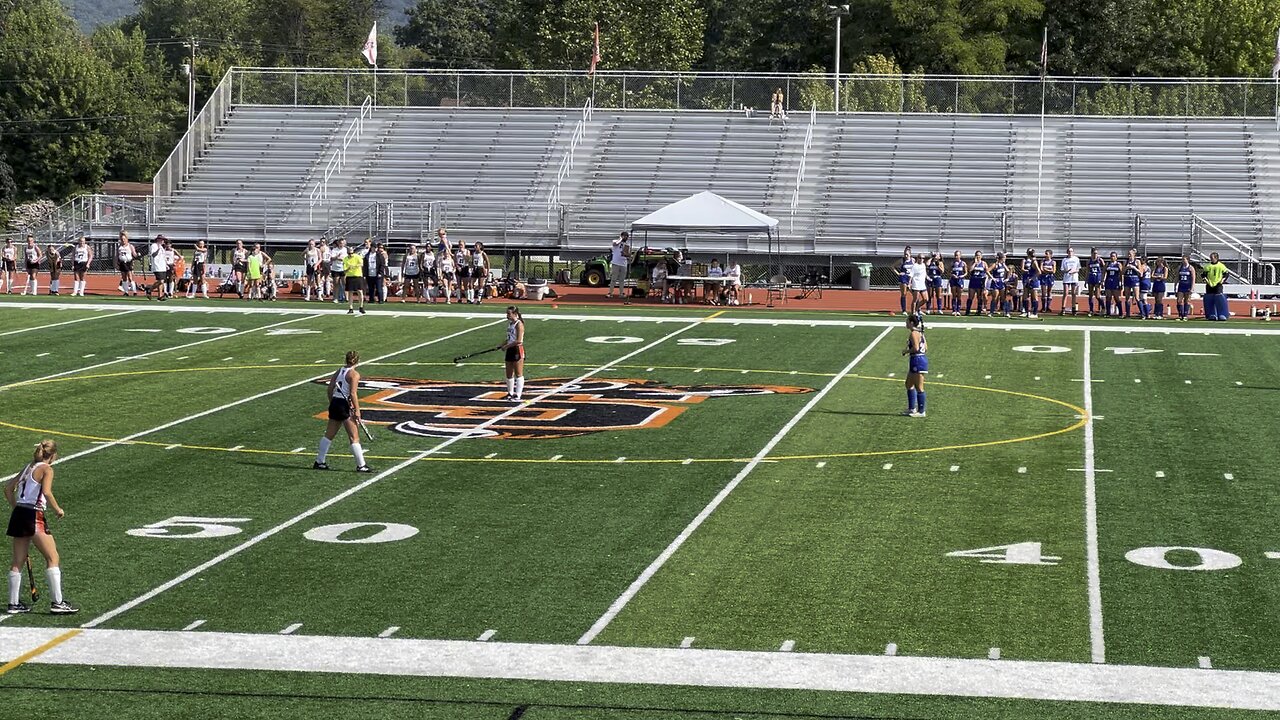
918, 364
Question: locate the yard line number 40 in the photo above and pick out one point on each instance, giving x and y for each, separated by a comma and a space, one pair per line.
182, 527
1161, 558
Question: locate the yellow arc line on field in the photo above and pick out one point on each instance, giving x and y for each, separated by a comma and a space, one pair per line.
34, 653
638, 461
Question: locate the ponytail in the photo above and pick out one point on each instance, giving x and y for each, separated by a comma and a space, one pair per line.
45, 449
353, 357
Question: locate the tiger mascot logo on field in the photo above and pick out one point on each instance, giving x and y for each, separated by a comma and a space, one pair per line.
444, 409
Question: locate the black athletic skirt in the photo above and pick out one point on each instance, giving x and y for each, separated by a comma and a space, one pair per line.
515, 353
339, 409
22, 523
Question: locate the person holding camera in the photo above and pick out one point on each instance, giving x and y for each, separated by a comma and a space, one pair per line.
620, 257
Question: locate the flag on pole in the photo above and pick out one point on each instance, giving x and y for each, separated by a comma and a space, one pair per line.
1044, 53
595, 54
1275, 66
370, 51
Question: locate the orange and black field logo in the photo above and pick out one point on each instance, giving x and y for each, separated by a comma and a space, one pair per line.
439, 408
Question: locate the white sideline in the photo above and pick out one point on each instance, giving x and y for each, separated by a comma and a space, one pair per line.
1014, 679
373, 480
67, 322
1097, 645
1196, 328
251, 398
626, 596
215, 338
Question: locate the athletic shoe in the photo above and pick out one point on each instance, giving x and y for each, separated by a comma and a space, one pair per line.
919, 414
908, 413
509, 398
1034, 316
362, 312
317, 465
62, 608
18, 609
364, 469
351, 311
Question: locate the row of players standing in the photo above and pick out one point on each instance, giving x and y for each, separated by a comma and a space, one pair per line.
34, 258
1114, 286
429, 272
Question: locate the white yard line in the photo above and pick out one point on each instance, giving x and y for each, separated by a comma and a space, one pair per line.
626, 596
1097, 645
1191, 329
977, 677
216, 338
376, 478
68, 322
259, 396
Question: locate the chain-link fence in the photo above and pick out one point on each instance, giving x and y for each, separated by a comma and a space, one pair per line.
982, 95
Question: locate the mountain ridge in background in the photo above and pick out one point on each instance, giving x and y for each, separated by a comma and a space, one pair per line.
92, 13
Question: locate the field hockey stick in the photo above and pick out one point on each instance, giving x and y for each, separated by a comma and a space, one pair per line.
359, 420
31, 579
460, 358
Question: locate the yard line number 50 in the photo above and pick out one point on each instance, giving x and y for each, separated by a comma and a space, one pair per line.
1171, 557
182, 527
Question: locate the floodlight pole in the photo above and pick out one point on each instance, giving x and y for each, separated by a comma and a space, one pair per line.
839, 11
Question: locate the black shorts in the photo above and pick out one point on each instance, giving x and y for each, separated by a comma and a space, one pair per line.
197, 271
33, 268
464, 273
311, 272
241, 267
515, 354
478, 273
411, 277
80, 268
10, 265
161, 275
124, 267
322, 270
23, 521
354, 283
339, 409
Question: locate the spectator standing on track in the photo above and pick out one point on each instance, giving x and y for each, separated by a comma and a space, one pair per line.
33, 256
29, 493
55, 268
919, 282
620, 256
1070, 282
1215, 300
256, 263
159, 268
375, 270
81, 256
353, 275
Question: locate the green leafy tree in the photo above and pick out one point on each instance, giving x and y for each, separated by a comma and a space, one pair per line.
634, 34
453, 33
147, 103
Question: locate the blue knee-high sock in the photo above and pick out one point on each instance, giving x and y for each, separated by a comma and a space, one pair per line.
1128, 307
920, 400
911, 399
1007, 306
1047, 304
1035, 306
955, 303
902, 301
968, 306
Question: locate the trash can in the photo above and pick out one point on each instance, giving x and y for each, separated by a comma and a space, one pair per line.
861, 279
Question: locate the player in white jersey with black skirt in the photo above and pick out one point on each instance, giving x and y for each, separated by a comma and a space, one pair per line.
9, 264
411, 274
310, 270
337, 256
33, 256
479, 270
199, 266
81, 256
125, 255
324, 271
515, 354
30, 493
462, 270
344, 412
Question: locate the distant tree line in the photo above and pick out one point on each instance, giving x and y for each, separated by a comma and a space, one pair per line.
77, 108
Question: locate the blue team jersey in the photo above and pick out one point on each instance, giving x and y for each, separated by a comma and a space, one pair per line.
978, 271
1029, 268
904, 269
957, 272
1095, 270
999, 271
1131, 275
917, 361
932, 270
1048, 267
1113, 275
1186, 277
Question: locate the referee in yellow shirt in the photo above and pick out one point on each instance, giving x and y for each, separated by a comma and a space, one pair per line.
353, 273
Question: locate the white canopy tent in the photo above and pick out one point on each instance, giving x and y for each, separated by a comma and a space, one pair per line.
707, 212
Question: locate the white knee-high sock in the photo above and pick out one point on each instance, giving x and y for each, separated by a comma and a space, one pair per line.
54, 575
324, 449
511, 386
359, 453
519, 387
15, 584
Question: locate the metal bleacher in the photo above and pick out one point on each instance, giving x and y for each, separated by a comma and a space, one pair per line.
643, 161
873, 182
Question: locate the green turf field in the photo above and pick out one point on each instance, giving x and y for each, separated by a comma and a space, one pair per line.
737, 481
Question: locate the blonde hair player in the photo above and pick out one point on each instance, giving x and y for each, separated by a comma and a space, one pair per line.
29, 493
515, 353
344, 412
81, 256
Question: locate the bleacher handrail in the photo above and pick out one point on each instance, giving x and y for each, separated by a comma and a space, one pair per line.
567, 162
338, 157
804, 158
1092, 96
177, 167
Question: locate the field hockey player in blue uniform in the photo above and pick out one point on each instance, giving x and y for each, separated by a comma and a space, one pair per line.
934, 272
977, 283
956, 281
1111, 285
1144, 287
1182, 293
904, 276
1159, 286
1048, 271
917, 365
1031, 285
1132, 281
998, 300
1094, 281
